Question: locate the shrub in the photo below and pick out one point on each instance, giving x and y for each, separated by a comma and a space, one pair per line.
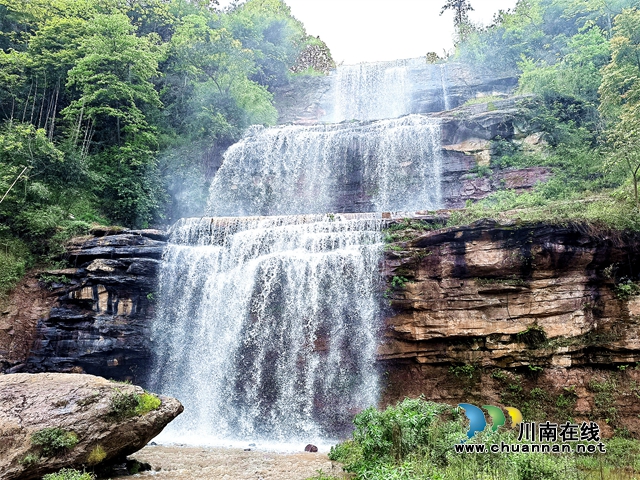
54, 441
412, 427
147, 403
96, 456
69, 474
126, 405
123, 405
30, 459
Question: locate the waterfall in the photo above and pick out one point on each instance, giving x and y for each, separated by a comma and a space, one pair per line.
378, 166
269, 310
445, 91
267, 328
371, 91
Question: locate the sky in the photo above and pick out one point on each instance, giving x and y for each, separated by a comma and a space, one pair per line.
377, 30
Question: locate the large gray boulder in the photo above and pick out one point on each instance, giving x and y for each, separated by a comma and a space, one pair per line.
49, 421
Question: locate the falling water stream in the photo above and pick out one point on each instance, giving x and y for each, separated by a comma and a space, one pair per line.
270, 309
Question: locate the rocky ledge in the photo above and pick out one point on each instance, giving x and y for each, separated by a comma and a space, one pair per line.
493, 312
99, 321
50, 421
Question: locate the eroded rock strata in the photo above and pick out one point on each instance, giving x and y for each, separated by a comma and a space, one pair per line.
50, 421
100, 321
529, 315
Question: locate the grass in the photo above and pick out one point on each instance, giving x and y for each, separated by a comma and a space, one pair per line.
69, 474
605, 211
481, 100
97, 455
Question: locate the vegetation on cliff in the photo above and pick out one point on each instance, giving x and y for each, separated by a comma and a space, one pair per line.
109, 110
580, 60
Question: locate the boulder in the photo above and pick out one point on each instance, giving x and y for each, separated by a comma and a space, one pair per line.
50, 421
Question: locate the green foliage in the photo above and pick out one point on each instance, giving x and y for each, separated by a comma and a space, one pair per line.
111, 111
69, 474
482, 100
415, 440
123, 405
462, 371
129, 404
620, 92
605, 392
412, 427
54, 441
96, 455
147, 403
626, 289
399, 282
30, 459
14, 259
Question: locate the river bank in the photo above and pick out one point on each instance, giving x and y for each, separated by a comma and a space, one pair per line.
186, 463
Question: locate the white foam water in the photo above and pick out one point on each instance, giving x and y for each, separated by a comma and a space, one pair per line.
267, 327
292, 169
371, 91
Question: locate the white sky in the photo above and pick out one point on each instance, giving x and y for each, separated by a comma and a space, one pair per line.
375, 30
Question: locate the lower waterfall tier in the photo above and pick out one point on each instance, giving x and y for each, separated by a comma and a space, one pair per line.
267, 328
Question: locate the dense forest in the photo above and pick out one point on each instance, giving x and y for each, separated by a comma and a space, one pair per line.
108, 108
579, 62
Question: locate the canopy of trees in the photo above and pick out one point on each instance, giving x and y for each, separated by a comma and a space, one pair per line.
109, 107
579, 58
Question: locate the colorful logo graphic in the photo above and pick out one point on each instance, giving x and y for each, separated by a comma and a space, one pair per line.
477, 422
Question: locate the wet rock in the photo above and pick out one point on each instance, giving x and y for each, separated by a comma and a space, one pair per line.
77, 409
311, 448
100, 321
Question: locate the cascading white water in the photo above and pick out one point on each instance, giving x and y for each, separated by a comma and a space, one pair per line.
267, 326
377, 166
445, 90
371, 91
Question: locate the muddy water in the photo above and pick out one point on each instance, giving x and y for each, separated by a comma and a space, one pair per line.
187, 463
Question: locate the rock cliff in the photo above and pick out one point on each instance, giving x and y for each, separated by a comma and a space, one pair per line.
50, 421
100, 319
529, 314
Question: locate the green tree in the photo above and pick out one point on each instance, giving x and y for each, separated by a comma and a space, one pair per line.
620, 93
108, 117
461, 9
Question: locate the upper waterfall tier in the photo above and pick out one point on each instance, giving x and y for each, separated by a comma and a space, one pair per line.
371, 91
350, 167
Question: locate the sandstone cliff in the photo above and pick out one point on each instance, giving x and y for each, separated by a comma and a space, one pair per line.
528, 315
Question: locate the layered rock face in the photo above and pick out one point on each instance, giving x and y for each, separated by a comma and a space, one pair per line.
50, 421
99, 323
492, 312
467, 134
